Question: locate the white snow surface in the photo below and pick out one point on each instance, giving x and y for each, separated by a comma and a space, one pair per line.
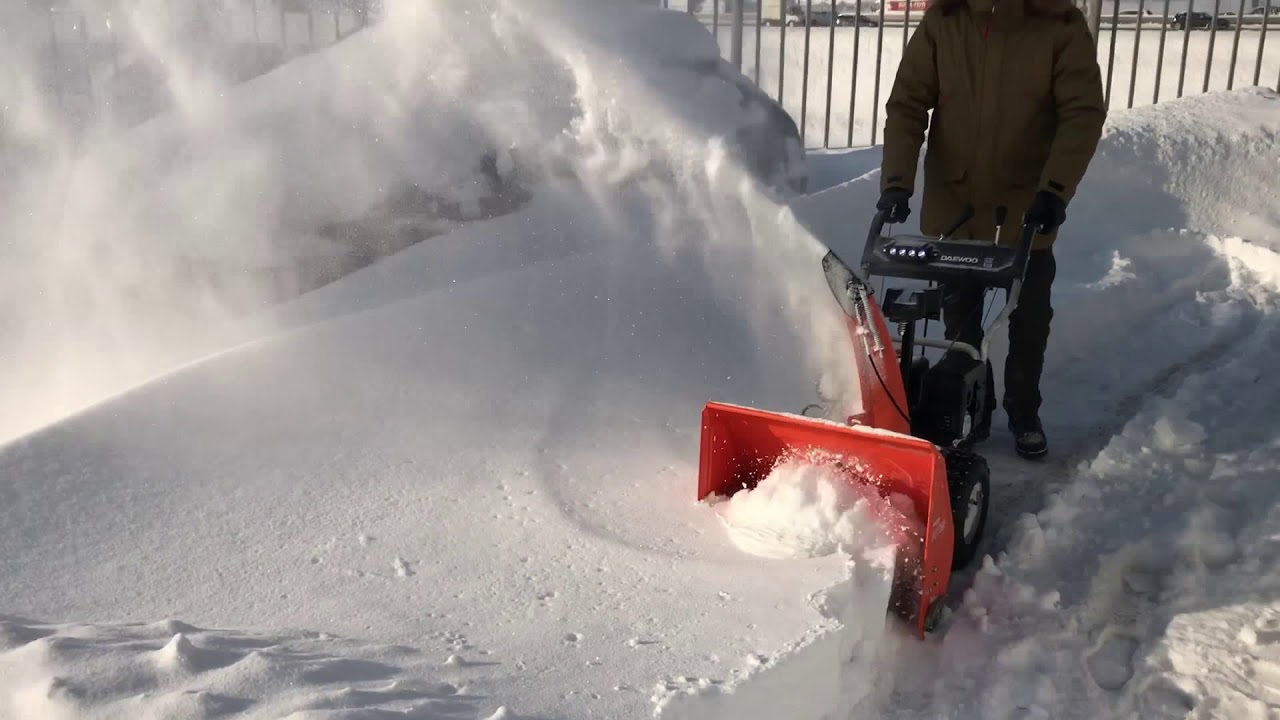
459, 483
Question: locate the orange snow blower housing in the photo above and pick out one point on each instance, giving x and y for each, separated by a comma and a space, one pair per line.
916, 429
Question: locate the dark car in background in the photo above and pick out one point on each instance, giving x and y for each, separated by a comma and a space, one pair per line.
1198, 21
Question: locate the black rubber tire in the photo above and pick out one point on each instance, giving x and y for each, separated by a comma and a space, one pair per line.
933, 616
915, 380
965, 472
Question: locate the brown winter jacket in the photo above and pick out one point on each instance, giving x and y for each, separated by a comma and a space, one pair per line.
1017, 107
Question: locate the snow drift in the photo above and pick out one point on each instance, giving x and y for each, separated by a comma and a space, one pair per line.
549, 563
459, 482
145, 249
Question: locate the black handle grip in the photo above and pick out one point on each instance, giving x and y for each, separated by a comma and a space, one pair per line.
877, 226
1002, 212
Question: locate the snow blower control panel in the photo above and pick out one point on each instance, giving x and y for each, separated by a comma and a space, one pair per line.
916, 257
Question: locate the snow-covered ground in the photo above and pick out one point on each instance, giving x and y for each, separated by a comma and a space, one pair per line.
458, 483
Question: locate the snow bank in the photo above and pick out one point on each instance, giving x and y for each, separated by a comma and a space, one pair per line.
144, 250
482, 449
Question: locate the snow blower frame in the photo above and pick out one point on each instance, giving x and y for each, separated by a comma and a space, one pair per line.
915, 432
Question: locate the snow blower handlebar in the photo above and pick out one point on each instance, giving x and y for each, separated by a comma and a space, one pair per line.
944, 260
941, 259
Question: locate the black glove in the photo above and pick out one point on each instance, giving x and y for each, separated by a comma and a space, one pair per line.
1047, 212
894, 200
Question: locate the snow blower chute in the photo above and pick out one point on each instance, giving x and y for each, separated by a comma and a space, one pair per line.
915, 433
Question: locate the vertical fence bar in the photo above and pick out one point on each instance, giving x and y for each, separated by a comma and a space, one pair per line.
782, 49
1186, 43
1235, 47
1111, 57
337, 21
311, 27
804, 75
1095, 20
831, 72
1213, 34
853, 83
759, 33
875, 102
736, 34
1164, 30
906, 24
1137, 41
715, 21
257, 35
1262, 42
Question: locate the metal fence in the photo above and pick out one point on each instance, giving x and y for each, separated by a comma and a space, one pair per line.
831, 71
95, 72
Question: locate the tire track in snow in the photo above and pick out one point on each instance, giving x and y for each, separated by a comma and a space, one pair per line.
1021, 487
1075, 621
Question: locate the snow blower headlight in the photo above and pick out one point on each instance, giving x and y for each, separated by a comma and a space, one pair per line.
920, 253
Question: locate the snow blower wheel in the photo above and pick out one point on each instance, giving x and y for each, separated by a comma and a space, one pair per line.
969, 480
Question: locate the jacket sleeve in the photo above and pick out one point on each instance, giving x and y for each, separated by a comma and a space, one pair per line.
1081, 108
914, 93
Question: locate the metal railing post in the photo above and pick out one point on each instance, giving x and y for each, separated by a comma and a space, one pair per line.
736, 43
875, 107
804, 76
1164, 30
1111, 57
1262, 42
1137, 42
1095, 20
1235, 47
831, 74
759, 32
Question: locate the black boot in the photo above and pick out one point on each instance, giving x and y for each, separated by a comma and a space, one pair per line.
1028, 436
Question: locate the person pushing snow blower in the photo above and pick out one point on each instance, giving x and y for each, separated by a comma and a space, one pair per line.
1018, 111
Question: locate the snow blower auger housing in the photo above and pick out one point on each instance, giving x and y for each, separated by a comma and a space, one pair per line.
915, 432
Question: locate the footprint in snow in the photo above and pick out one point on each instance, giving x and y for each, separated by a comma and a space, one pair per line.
1110, 662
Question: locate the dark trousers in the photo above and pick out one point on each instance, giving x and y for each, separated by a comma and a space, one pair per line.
962, 315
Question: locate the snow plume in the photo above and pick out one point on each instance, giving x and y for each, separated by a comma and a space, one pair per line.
650, 149
133, 249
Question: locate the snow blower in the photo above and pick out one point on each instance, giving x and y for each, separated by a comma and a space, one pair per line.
915, 432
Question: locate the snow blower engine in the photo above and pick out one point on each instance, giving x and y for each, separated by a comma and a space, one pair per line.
914, 434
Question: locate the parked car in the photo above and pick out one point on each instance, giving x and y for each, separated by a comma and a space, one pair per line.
822, 18
1199, 21
849, 19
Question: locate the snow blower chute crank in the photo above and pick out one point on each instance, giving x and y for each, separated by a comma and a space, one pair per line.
927, 455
